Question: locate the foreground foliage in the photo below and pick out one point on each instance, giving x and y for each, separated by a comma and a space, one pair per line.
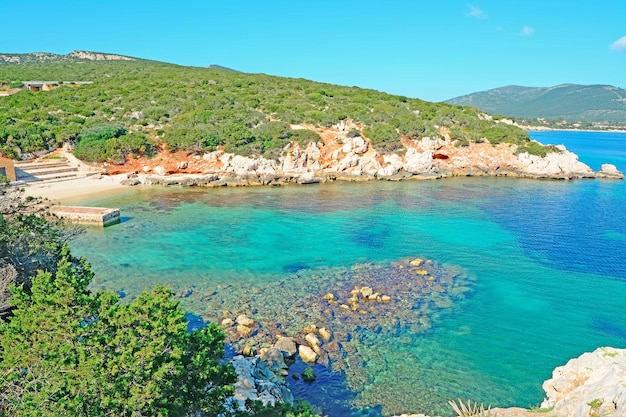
30, 240
199, 109
68, 352
65, 351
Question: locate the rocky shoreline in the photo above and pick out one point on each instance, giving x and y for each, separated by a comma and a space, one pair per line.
342, 155
594, 384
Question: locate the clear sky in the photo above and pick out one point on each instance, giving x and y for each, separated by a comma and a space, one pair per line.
434, 50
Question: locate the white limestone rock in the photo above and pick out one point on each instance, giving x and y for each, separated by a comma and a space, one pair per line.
554, 164
393, 165
350, 161
610, 171
257, 382
418, 162
431, 144
593, 384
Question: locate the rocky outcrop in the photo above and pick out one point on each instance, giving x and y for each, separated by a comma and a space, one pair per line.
610, 171
593, 384
561, 165
256, 381
344, 155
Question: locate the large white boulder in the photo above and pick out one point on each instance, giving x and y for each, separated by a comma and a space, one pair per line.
593, 384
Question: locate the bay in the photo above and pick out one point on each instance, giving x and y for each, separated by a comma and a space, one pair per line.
544, 261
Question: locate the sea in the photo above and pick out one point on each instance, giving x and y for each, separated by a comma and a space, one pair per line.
541, 267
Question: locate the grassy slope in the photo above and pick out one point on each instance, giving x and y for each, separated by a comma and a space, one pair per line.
199, 109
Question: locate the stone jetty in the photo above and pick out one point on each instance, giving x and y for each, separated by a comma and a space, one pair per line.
95, 216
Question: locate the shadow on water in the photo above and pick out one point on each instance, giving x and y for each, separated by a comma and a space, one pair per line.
328, 393
295, 267
194, 322
605, 327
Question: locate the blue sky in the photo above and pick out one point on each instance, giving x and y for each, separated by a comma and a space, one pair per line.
434, 50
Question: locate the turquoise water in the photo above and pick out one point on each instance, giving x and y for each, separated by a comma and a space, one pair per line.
545, 262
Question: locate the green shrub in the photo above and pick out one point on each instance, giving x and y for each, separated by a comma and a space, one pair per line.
111, 143
304, 136
536, 148
384, 137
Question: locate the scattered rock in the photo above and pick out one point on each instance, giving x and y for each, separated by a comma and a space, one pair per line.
416, 262
244, 331
227, 322
307, 354
325, 334
130, 182
274, 359
312, 340
287, 345
243, 320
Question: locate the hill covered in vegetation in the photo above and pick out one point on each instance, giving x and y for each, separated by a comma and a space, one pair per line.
139, 106
570, 102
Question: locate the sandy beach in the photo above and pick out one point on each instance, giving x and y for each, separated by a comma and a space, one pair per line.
77, 189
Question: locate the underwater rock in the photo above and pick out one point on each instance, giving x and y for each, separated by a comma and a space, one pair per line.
325, 334
244, 331
312, 340
286, 345
274, 360
243, 320
308, 375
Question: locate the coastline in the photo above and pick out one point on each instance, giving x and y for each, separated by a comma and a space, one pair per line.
75, 189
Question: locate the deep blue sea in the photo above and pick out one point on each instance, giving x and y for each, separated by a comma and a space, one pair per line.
544, 262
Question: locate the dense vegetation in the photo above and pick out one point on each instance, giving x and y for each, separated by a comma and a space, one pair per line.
65, 351
568, 102
143, 104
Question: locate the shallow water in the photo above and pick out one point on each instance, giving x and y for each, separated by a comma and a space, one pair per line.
545, 262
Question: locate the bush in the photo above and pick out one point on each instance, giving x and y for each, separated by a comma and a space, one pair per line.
536, 148
304, 136
384, 137
111, 143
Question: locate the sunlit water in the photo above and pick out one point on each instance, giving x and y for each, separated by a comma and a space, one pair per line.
546, 259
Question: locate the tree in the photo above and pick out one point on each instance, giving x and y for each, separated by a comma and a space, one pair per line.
30, 240
68, 352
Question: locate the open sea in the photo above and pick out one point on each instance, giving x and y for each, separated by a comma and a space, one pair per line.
541, 265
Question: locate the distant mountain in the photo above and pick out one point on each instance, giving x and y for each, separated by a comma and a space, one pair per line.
221, 68
74, 56
571, 102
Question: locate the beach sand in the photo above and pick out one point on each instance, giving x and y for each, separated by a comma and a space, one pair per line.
79, 189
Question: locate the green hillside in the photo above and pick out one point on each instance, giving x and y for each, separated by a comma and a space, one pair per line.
571, 102
135, 105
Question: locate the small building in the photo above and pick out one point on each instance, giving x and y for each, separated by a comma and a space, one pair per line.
7, 168
41, 85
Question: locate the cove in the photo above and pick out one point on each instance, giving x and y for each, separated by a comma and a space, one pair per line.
543, 261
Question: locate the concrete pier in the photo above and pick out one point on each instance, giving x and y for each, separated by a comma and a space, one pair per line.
96, 216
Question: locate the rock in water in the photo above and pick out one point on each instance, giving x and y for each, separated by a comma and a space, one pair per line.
593, 384
307, 354
287, 346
